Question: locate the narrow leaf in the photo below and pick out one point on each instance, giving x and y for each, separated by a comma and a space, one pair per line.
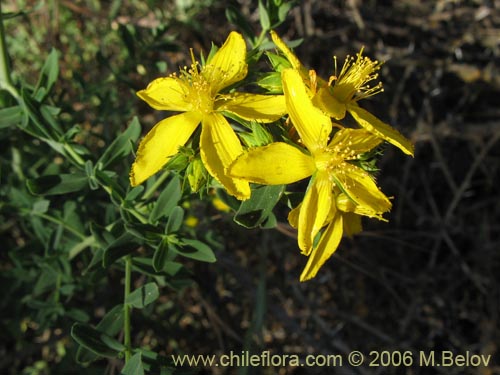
91, 339
110, 324
10, 116
168, 199
122, 246
134, 365
175, 219
121, 146
197, 250
160, 256
57, 184
143, 296
254, 211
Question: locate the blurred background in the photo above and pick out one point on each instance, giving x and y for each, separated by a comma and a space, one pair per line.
426, 280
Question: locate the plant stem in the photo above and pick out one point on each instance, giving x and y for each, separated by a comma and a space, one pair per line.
127, 309
4, 65
5, 78
156, 185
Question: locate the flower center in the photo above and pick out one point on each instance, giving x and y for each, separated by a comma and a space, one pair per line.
354, 81
333, 156
199, 94
327, 160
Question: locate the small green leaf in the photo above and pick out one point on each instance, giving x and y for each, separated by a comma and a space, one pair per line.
264, 16
143, 296
175, 220
110, 324
10, 116
121, 146
271, 82
278, 63
40, 206
122, 246
145, 232
48, 76
134, 365
168, 199
134, 193
57, 184
126, 32
195, 249
160, 256
283, 12
254, 211
92, 339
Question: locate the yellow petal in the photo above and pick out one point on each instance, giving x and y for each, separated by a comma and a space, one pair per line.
354, 142
379, 128
314, 210
275, 164
328, 244
359, 186
219, 147
328, 104
291, 57
160, 143
228, 65
293, 216
313, 126
166, 94
352, 224
261, 108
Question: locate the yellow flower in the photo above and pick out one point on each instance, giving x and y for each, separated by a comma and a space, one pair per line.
197, 93
341, 94
335, 184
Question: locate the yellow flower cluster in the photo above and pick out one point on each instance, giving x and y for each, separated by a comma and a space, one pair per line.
340, 191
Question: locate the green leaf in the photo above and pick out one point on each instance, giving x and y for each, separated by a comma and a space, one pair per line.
110, 324
175, 220
37, 126
57, 184
121, 146
143, 296
264, 16
10, 116
278, 63
134, 365
40, 206
145, 232
283, 12
122, 246
254, 211
195, 249
134, 193
48, 76
92, 339
168, 199
126, 32
46, 281
160, 256
271, 82
258, 137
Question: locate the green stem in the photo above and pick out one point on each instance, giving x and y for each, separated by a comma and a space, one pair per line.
259, 40
58, 222
127, 309
77, 158
5, 77
4, 65
156, 185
